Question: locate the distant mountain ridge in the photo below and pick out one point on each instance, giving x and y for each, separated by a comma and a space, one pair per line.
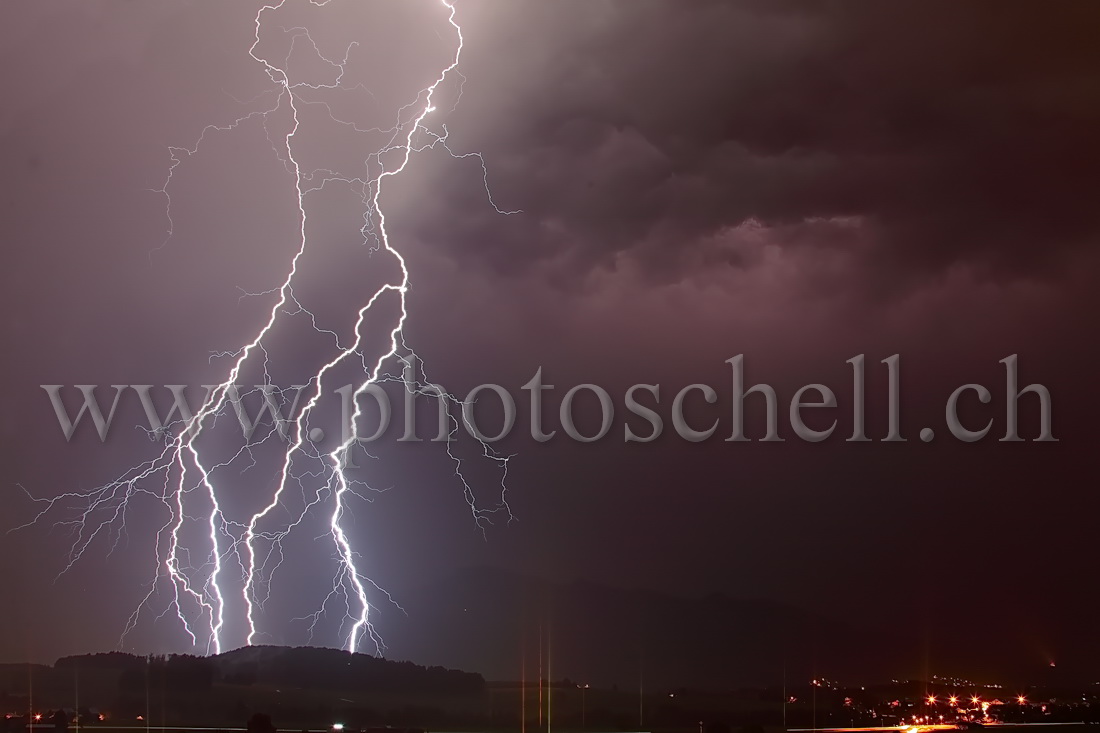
488, 620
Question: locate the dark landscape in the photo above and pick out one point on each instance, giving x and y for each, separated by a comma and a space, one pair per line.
332, 690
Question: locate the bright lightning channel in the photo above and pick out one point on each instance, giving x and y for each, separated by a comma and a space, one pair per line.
179, 471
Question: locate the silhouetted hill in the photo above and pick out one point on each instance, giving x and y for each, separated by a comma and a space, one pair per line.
300, 688
302, 668
312, 668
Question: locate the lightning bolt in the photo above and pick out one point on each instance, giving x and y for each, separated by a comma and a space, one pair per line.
184, 482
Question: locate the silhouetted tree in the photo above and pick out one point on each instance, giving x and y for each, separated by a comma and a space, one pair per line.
260, 723
60, 721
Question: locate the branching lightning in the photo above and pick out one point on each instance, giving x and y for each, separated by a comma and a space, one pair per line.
186, 482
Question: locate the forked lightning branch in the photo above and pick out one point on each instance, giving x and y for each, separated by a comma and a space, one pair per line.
226, 574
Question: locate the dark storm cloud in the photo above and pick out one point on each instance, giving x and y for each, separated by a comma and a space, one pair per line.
950, 133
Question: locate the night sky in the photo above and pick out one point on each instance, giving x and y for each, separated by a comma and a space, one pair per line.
799, 183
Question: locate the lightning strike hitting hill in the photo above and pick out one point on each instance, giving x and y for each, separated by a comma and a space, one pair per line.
186, 482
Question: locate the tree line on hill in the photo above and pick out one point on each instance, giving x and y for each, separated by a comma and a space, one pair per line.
307, 668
